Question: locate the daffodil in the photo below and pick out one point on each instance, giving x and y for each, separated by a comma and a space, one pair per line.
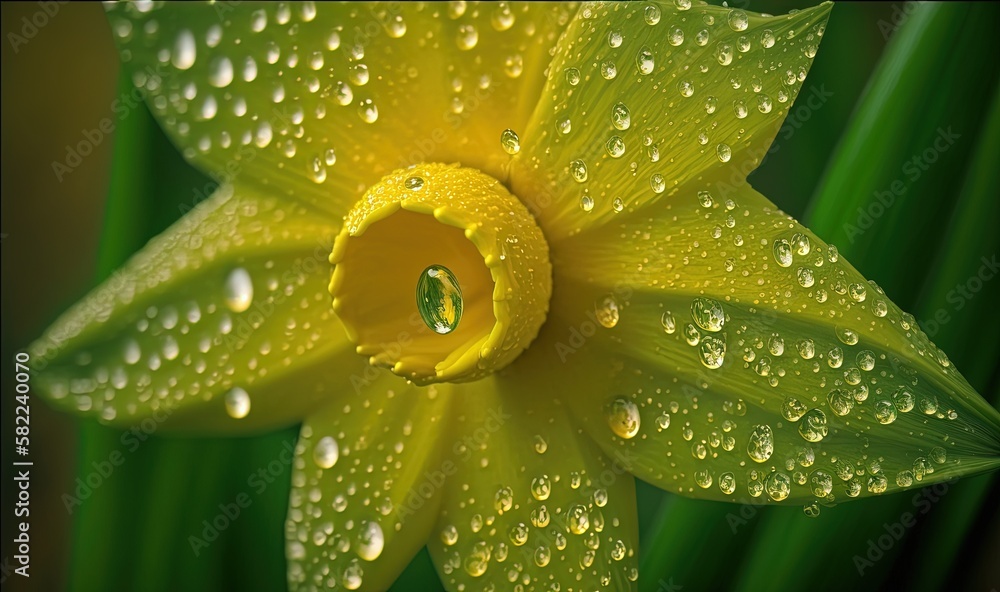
534, 226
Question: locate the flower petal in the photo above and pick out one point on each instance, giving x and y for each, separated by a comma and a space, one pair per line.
225, 314
644, 99
742, 356
358, 510
529, 501
320, 100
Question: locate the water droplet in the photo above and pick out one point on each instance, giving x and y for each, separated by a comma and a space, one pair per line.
676, 36
607, 312
368, 111
644, 60
668, 322
903, 400
767, 38
353, 575
326, 452
586, 203
615, 39
657, 183
503, 501
708, 314
609, 70
615, 147
185, 51
439, 299
713, 351
572, 76
414, 183
220, 72
239, 290
623, 418
812, 426
778, 486
578, 170
449, 535
370, 541
761, 443
510, 142
541, 488
651, 14
738, 20
782, 252
885, 411
793, 409
468, 37
724, 53
724, 152
617, 204
237, 403
663, 421
685, 87
840, 402
847, 336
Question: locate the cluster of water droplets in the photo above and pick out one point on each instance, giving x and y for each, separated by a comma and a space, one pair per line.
557, 522
826, 387
712, 76
349, 491
207, 341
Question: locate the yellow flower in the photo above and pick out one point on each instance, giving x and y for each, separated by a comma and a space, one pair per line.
546, 251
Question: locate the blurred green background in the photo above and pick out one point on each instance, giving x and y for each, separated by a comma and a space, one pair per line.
887, 79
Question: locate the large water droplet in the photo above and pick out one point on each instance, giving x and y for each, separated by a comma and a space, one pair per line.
708, 314
239, 290
510, 142
621, 118
607, 312
713, 351
439, 299
761, 443
644, 60
370, 541
237, 403
623, 417
326, 452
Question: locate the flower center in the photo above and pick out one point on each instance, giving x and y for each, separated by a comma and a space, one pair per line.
440, 274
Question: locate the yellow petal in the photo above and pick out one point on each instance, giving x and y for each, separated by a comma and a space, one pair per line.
734, 355
222, 322
529, 500
643, 99
320, 100
362, 504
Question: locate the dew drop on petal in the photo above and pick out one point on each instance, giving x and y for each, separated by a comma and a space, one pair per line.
761, 443
439, 299
623, 418
237, 403
239, 290
370, 541
326, 452
510, 142
607, 311
724, 152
